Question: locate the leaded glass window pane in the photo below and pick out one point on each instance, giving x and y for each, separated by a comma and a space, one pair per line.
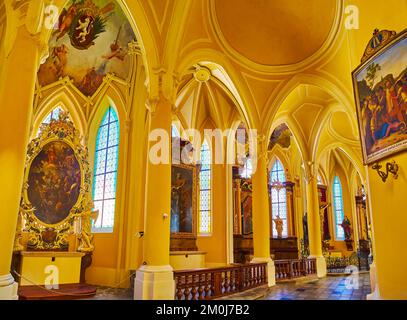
338, 208
105, 171
205, 192
278, 197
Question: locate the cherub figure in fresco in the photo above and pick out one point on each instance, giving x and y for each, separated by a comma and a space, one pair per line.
65, 20
116, 50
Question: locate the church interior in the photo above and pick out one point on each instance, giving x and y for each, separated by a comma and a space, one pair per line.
205, 149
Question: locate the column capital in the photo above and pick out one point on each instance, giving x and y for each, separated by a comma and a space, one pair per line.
262, 147
309, 171
163, 83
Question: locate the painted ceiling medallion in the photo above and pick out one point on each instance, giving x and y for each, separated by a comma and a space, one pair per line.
202, 74
89, 41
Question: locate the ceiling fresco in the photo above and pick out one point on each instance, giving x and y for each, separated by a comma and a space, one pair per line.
90, 40
281, 135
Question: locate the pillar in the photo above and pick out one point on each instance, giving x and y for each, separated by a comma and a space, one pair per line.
314, 225
155, 279
16, 99
261, 214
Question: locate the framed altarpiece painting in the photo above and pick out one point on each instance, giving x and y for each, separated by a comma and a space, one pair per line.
183, 207
56, 198
380, 89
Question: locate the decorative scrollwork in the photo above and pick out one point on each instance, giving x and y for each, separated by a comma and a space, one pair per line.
50, 233
391, 167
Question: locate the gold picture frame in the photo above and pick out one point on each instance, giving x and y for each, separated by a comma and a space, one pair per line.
190, 229
382, 118
56, 188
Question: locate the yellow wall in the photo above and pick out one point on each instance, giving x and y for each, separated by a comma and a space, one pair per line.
387, 200
215, 244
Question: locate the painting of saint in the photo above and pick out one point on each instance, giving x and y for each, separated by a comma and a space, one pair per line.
54, 182
246, 207
89, 40
182, 200
381, 99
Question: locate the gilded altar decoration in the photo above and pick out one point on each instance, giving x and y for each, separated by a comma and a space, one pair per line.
380, 86
56, 186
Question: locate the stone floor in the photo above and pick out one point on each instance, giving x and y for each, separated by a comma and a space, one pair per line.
106, 293
329, 288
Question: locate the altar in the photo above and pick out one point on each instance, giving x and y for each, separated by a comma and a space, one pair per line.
53, 244
43, 266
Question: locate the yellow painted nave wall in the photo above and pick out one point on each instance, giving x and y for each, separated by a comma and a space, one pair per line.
215, 243
387, 201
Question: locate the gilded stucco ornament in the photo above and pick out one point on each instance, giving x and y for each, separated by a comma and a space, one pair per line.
56, 189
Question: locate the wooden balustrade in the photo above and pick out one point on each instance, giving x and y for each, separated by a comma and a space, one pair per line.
206, 284
290, 269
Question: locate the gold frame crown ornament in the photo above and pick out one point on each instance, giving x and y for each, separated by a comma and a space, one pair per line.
54, 236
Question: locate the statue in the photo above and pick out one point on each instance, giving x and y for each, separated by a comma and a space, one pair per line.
85, 236
346, 228
279, 226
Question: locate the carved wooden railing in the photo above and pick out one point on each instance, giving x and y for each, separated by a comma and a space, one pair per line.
211, 283
291, 269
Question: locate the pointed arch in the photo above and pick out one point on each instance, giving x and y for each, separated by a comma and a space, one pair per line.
66, 100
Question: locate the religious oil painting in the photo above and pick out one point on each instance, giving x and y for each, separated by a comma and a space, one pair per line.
54, 182
381, 99
246, 207
182, 199
89, 40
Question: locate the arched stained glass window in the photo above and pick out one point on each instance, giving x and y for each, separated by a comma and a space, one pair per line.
205, 195
338, 208
174, 131
278, 196
53, 115
105, 171
247, 169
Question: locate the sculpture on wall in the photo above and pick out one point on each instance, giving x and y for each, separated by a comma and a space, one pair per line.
279, 226
56, 189
346, 228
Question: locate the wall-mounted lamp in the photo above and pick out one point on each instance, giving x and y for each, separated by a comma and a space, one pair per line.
165, 216
391, 167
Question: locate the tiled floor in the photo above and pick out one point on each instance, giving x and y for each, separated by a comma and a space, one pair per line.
105, 293
329, 288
